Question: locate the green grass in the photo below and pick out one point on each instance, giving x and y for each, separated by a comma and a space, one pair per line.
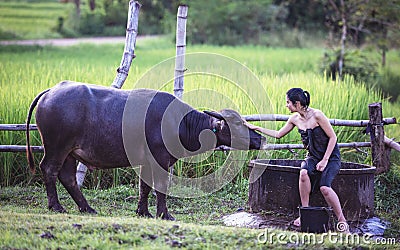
199, 223
31, 19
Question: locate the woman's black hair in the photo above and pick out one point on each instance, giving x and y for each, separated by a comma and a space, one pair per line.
297, 94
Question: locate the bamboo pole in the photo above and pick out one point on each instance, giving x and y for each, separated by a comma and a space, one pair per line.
39, 149
180, 50
16, 127
123, 69
301, 146
334, 122
391, 144
130, 42
181, 18
266, 117
18, 148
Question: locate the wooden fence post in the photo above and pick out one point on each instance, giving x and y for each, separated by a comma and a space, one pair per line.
380, 156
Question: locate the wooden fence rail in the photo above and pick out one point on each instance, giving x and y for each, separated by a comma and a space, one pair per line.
379, 143
266, 117
334, 122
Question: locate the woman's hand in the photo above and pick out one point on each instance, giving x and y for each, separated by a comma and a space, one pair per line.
322, 165
250, 126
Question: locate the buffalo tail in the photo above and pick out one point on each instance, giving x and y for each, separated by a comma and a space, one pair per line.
29, 155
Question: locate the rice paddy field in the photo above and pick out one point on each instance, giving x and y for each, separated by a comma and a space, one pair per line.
249, 79
34, 19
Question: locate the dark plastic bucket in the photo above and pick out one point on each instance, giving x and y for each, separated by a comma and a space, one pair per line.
315, 219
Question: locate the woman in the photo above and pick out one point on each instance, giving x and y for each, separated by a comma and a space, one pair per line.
323, 159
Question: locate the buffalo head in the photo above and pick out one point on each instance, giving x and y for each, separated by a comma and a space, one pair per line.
231, 132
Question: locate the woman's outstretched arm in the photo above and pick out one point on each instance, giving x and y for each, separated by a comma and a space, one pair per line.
274, 133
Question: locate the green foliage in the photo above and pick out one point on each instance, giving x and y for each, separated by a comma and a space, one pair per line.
384, 23
387, 196
388, 191
232, 22
107, 21
157, 17
116, 12
7, 35
92, 22
363, 66
389, 82
304, 14
356, 63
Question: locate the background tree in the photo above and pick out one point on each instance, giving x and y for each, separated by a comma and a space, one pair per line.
78, 7
92, 5
383, 25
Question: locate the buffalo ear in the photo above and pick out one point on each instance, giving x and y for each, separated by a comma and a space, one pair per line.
214, 114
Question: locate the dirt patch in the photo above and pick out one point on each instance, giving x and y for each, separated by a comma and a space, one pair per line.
262, 220
373, 226
72, 41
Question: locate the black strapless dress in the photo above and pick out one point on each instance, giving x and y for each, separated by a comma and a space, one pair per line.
316, 141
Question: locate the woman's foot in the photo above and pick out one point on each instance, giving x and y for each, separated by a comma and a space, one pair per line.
343, 227
296, 222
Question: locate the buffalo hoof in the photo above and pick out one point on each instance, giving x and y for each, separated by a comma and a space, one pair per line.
57, 208
88, 210
167, 216
144, 214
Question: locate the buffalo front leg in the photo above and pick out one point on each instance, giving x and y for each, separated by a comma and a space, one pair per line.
50, 169
144, 190
67, 177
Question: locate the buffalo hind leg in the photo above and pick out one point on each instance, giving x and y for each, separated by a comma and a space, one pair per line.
143, 204
161, 179
50, 169
67, 177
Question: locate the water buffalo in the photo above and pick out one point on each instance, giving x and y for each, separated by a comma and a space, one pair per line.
105, 127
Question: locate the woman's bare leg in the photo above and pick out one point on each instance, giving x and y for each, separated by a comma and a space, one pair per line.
304, 189
333, 200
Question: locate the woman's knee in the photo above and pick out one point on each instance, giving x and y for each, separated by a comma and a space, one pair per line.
325, 190
304, 175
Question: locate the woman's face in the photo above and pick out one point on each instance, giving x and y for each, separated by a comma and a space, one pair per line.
289, 104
